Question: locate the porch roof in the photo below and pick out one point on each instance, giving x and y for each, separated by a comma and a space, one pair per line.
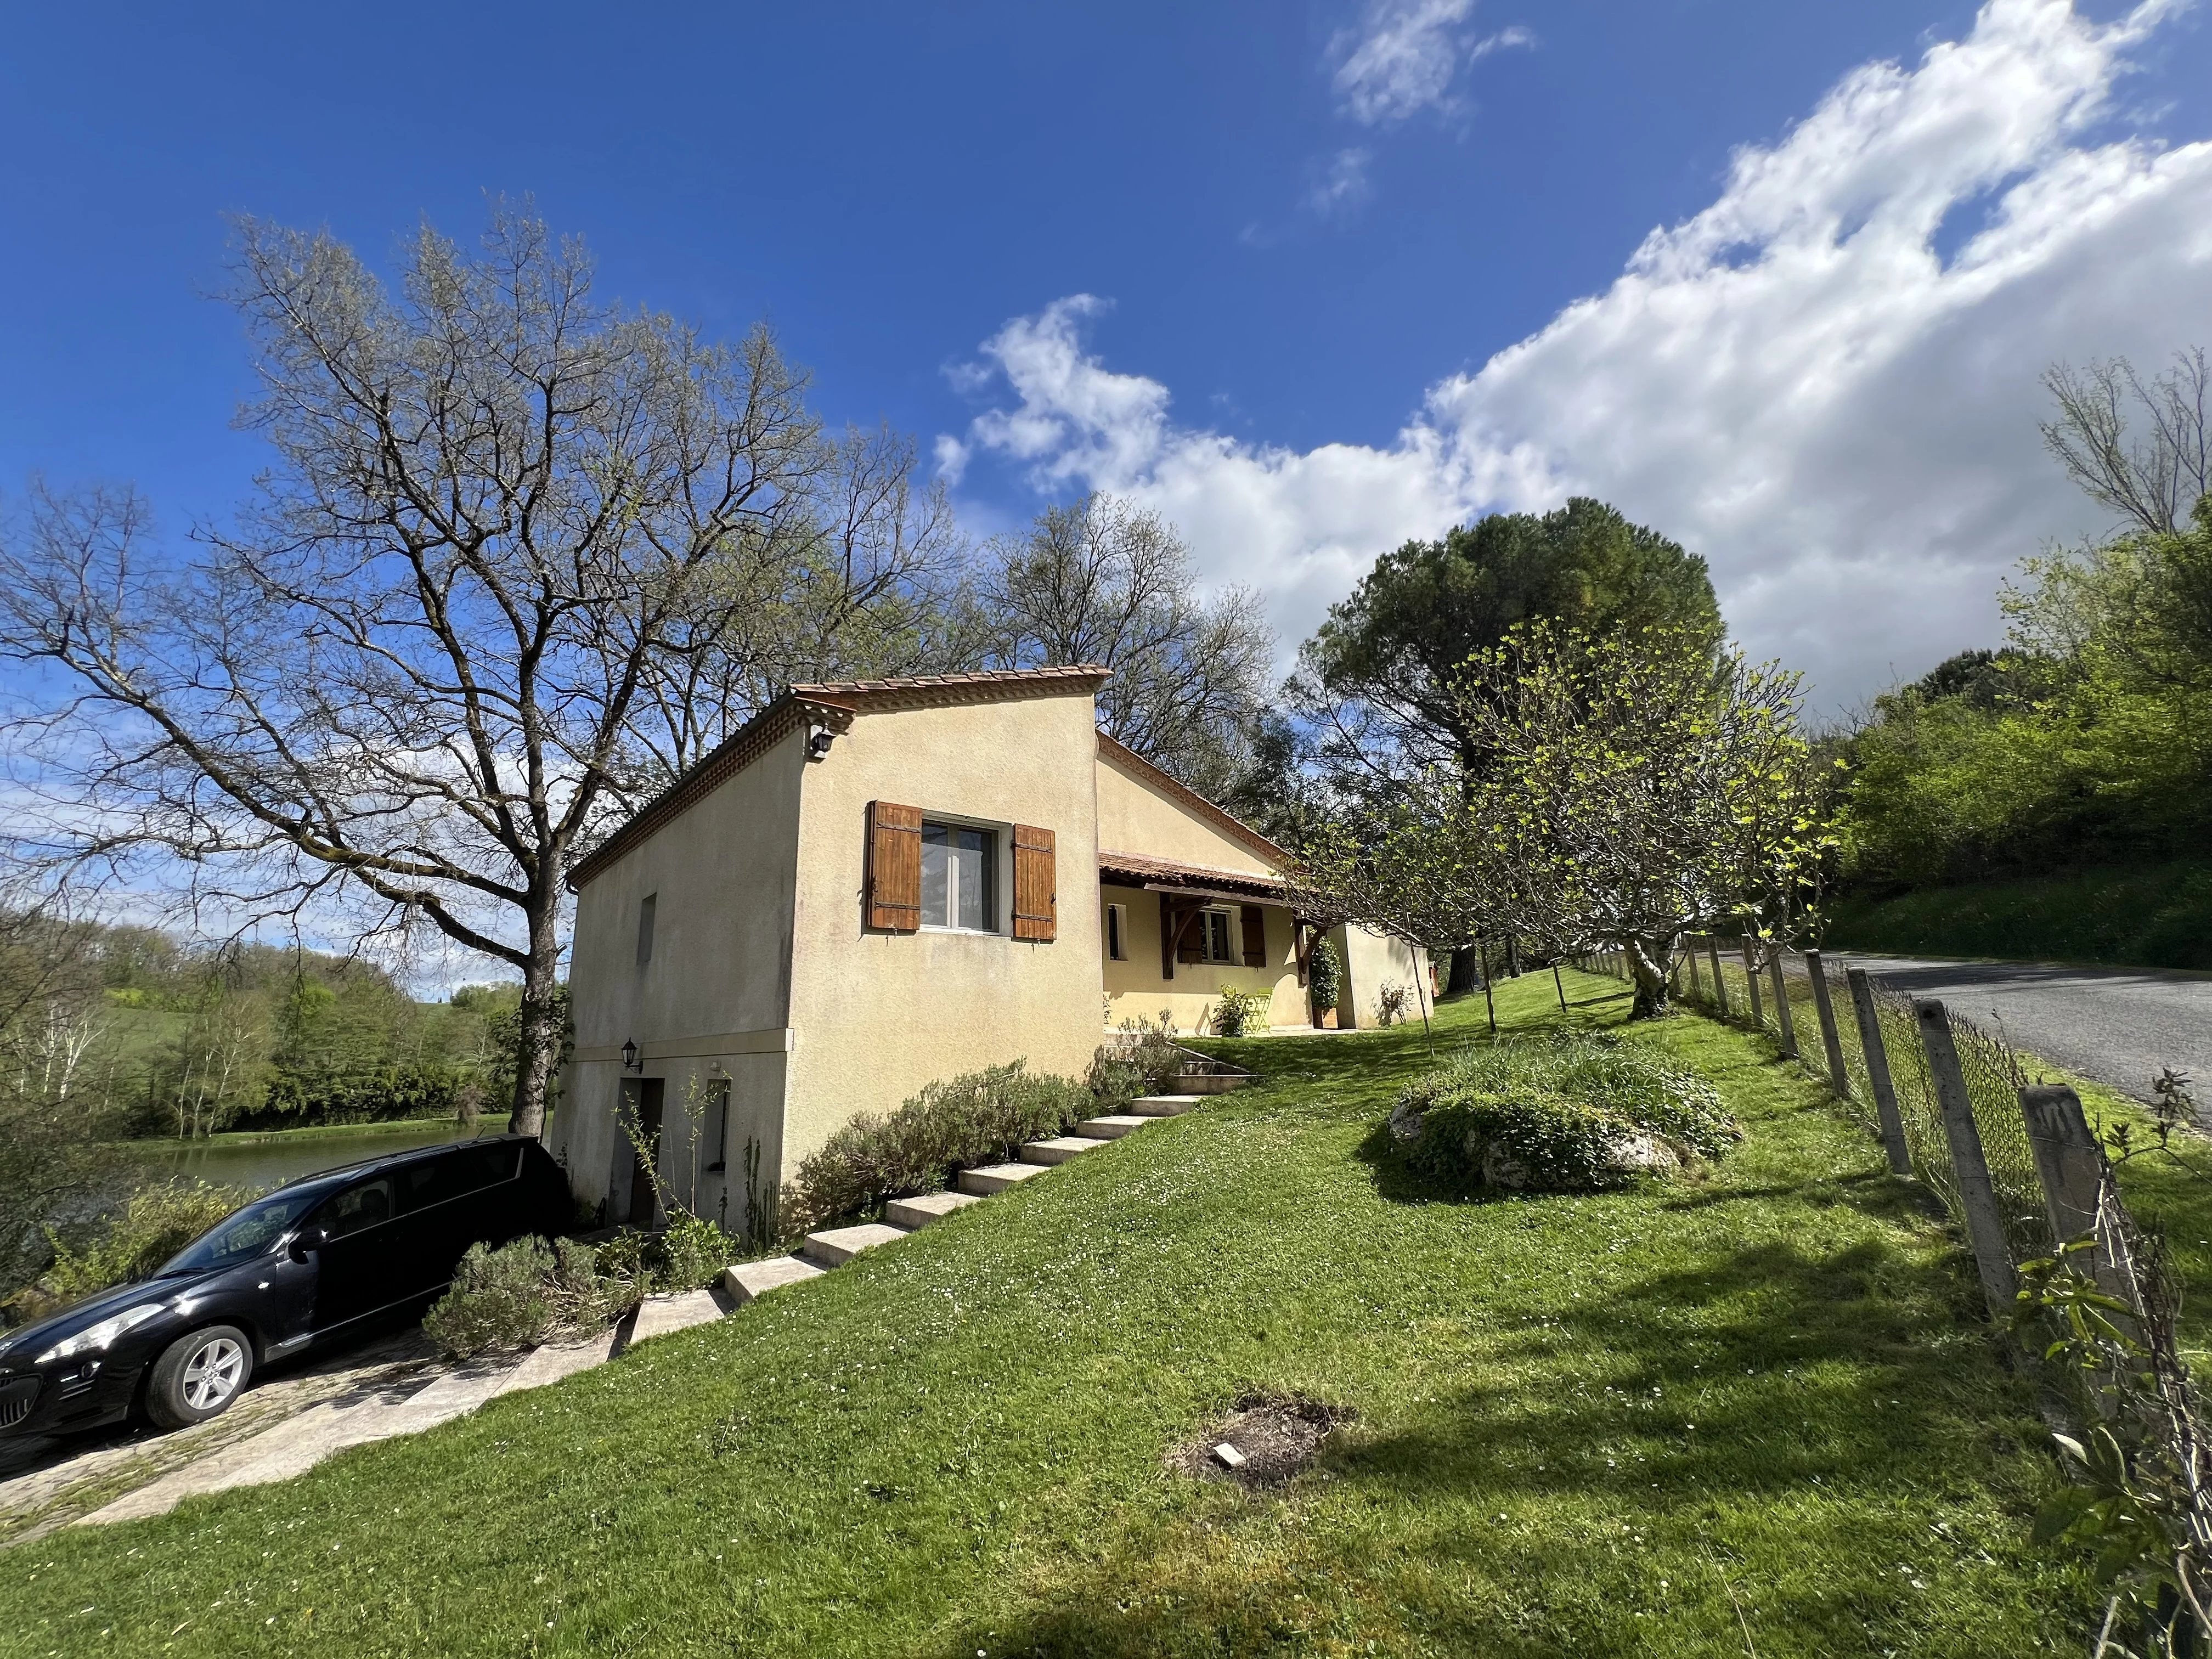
1164, 875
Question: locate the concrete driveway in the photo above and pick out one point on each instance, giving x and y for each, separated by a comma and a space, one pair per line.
291, 1420
2118, 1025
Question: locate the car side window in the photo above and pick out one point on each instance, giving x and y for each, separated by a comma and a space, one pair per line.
456, 1173
357, 1208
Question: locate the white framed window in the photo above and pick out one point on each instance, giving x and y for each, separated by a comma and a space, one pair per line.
959, 878
1220, 927
1117, 932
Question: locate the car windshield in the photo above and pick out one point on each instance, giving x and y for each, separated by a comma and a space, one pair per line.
247, 1234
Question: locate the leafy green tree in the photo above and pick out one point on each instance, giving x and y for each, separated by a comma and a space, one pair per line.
1636, 789
1378, 684
1639, 790
1396, 650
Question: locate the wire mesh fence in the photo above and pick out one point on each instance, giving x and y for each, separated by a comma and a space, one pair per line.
1755, 982
2027, 1179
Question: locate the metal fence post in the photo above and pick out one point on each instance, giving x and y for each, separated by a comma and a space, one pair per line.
1969, 1168
1782, 1016
1877, 1065
2071, 1167
1831, 1040
1751, 980
1720, 985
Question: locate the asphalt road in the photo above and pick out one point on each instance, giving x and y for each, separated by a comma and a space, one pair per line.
2118, 1025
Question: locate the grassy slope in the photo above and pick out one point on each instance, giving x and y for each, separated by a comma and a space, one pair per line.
1645, 1423
2156, 916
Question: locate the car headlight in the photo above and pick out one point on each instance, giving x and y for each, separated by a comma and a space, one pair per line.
94, 1338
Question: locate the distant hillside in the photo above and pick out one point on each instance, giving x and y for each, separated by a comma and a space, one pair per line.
2148, 916
156, 1035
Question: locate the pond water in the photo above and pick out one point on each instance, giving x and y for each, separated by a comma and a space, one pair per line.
260, 1163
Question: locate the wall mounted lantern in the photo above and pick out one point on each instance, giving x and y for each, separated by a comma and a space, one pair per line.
630, 1061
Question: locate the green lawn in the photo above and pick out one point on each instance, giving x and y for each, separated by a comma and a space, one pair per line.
1759, 1409
2149, 916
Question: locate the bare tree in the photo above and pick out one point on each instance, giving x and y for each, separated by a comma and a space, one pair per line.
456, 631
864, 589
2150, 474
1105, 582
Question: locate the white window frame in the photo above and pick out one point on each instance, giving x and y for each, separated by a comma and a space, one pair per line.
1001, 887
1117, 932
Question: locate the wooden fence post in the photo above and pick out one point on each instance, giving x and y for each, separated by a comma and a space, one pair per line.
1831, 1040
1877, 1065
1751, 980
1970, 1170
1720, 985
1782, 1015
1690, 957
2071, 1167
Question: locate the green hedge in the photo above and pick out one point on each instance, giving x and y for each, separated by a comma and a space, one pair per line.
983, 1117
1557, 1112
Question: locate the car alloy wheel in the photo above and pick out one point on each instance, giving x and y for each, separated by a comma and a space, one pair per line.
212, 1375
198, 1375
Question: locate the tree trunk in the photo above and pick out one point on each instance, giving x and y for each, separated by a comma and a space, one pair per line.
541, 1020
1466, 972
1650, 964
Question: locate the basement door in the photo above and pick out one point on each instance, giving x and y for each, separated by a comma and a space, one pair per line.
640, 1109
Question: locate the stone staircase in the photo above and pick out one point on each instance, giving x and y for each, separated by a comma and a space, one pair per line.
834, 1247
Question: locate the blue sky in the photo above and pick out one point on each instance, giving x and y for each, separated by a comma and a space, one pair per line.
1308, 230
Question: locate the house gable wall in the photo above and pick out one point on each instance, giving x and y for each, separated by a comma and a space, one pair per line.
1136, 816
715, 996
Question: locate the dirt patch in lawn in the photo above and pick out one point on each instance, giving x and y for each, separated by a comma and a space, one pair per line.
1269, 1438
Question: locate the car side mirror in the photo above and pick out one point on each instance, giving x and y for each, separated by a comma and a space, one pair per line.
308, 1239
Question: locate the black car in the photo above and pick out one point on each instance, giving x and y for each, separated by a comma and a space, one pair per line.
310, 1262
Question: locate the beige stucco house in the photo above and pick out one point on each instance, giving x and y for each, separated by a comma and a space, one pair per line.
876, 885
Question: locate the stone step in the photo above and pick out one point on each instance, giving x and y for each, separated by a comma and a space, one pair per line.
657, 1315
836, 1246
1165, 1105
1059, 1149
1112, 1127
997, 1177
750, 1279
1210, 1083
930, 1207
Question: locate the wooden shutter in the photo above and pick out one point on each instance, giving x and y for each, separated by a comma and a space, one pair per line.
893, 866
1037, 894
1256, 937
1190, 935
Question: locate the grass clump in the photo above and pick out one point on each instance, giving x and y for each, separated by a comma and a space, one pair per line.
1571, 1112
980, 1117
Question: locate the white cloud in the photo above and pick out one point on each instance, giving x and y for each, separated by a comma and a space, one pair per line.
1343, 185
1797, 382
1404, 55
